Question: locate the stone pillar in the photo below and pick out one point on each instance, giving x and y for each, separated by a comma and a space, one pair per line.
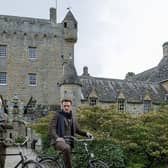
10, 111
21, 110
29, 134
2, 135
1, 112
2, 158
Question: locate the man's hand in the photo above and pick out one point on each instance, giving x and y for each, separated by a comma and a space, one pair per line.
89, 135
59, 139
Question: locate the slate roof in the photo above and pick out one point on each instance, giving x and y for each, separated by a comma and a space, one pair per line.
70, 16
156, 74
109, 89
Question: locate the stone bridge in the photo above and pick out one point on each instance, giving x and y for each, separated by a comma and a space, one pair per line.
11, 161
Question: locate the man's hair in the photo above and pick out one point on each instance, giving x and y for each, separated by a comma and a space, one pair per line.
66, 100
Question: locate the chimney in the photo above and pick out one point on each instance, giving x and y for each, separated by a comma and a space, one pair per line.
53, 17
85, 71
165, 49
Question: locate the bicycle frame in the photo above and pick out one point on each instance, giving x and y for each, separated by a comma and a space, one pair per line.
20, 153
88, 157
16, 154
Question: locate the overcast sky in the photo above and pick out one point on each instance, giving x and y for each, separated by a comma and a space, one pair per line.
114, 36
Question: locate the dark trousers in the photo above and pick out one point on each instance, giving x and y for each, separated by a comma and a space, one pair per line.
2, 158
66, 149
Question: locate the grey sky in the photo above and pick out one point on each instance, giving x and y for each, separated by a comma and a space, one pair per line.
114, 37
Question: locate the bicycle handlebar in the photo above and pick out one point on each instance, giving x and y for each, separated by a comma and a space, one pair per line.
79, 140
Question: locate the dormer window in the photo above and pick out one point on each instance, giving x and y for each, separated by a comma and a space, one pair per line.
93, 97
166, 98
65, 24
121, 105
93, 101
147, 105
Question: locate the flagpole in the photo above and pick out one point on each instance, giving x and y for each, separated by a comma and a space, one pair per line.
56, 3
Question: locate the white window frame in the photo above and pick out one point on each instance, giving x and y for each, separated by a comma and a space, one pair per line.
32, 53
3, 51
121, 105
93, 101
3, 78
147, 106
32, 79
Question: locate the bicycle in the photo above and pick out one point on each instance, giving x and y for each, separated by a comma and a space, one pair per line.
57, 161
24, 161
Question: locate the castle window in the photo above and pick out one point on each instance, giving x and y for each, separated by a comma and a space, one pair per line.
93, 101
65, 24
147, 105
10, 135
121, 105
32, 52
32, 79
3, 50
3, 78
166, 98
75, 25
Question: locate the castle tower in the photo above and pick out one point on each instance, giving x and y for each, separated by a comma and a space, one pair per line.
163, 64
32, 51
165, 49
70, 36
70, 86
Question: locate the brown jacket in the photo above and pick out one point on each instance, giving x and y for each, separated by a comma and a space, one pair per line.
53, 126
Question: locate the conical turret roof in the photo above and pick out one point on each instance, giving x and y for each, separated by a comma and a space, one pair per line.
70, 16
69, 74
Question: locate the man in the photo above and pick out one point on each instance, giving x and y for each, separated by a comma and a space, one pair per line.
63, 124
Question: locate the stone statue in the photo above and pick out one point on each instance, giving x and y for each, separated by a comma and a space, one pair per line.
1, 111
3, 129
2, 135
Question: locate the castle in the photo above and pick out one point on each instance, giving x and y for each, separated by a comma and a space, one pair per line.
37, 60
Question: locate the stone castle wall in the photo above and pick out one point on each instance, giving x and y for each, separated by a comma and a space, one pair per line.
19, 33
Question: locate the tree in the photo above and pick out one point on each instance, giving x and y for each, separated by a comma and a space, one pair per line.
123, 139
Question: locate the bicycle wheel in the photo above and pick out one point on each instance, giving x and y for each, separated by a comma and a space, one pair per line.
50, 163
32, 164
97, 164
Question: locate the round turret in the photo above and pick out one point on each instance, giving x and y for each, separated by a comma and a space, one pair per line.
70, 85
70, 27
165, 49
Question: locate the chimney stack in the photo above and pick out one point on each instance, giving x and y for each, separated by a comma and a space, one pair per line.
53, 17
165, 49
